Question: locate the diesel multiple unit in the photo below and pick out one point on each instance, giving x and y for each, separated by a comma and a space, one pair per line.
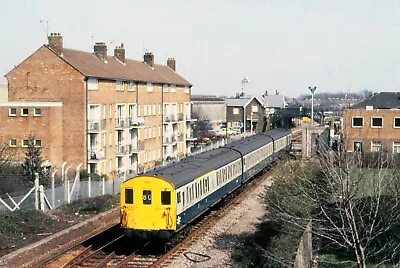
164, 200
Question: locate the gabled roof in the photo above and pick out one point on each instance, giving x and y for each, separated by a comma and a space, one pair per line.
382, 100
91, 66
241, 102
274, 101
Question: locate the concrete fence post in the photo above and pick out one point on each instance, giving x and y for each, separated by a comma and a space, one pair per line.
53, 190
103, 186
68, 192
89, 186
41, 195
36, 191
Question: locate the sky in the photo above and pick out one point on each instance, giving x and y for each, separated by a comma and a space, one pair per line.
285, 45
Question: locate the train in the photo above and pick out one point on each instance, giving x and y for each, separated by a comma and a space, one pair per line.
161, 202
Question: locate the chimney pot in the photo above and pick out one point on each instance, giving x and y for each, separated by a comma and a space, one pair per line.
100, 50
119, 53
171, 63
56, 42
149, 59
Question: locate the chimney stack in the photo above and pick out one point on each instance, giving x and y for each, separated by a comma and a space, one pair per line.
119, 53
171, 63
100, 50
149, 59
56, 42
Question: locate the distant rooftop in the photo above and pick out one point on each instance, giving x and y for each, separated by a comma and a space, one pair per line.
3, 93
201, 98
382, 100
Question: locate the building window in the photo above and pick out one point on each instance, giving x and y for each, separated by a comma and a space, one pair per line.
357, 122
235, 111
396, 147
173, 88
24, 111
377, 122
396, 122
110, 111
12, 111
357, 145
37, 112
153, 107
376, 146
38, 143
187, 90
131, 86
254, 108
164, 88
149, 87
25, 143
119, 85
13, 143
93, 84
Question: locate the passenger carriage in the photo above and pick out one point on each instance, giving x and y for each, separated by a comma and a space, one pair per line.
163, 201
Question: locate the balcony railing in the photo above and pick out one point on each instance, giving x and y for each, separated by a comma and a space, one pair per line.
135, 121
135, 148
120, 123
121, 149
96, 124
97, 154
167, 118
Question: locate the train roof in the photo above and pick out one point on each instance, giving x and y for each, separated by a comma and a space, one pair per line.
186, 170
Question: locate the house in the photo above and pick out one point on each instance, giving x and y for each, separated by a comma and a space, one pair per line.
373, 125
244, 111
209, 107
114, 115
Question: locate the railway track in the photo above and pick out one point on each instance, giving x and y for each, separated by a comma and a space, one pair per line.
110, 249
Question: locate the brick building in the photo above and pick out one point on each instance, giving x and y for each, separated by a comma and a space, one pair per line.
374, 124
113, 114
244, 109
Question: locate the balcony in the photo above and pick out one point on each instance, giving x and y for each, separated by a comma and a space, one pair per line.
96, 125
180, 117
121, 150
96, 155
169, 141
166, 119
136, 148
181, 137
120, 123
136, 121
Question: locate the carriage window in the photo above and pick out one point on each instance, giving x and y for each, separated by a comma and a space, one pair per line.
146, 197
165, 198
178, 197
128, 196
183, 198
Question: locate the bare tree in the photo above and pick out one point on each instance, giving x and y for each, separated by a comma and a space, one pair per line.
353, 210
6, 157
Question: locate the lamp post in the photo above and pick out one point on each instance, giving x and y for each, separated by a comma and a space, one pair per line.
312, 89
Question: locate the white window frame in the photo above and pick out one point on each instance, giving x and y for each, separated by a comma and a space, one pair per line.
372, 118
104, 111
235, 111
110, 142
254, 108
358, 141
9, 111
22, 112
93, 84
352, 121
394, 122
22, 143
154, 109
396, 145
149, 87
119, 85
110, 112
36, 141
13, 145
172, 88
131, 86
187, 90
145, 110
35, 111
165, 87
376, 144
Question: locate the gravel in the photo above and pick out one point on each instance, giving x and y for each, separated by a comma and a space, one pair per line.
218, 243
